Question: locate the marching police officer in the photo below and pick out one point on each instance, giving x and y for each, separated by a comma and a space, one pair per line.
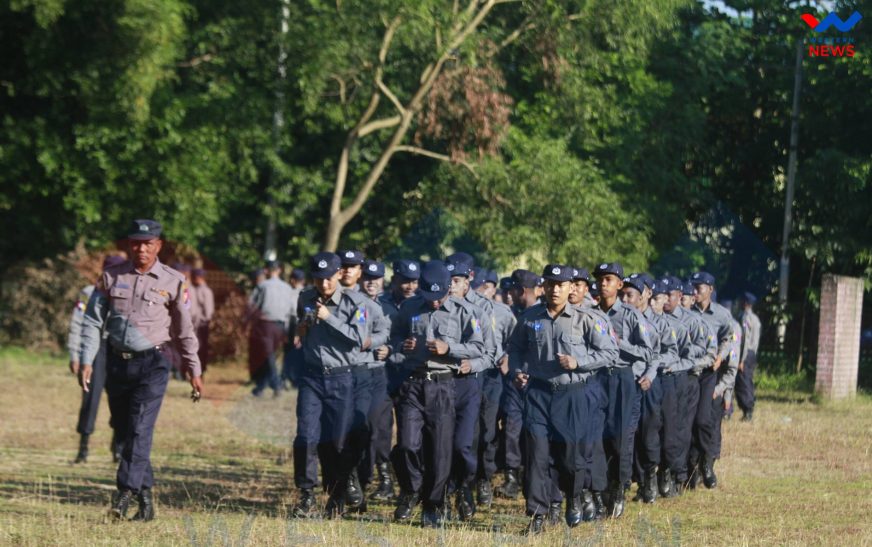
332, 333
91, 398
138, 303
720, 323
552, 352
436, 336
377, 333
751, 327
619, 381
270, 306
468, 386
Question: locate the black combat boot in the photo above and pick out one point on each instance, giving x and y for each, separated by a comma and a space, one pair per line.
385, 489
353, 492
82, 456
405, 504
573, 511
618, 496
146, 506
307, 505
599, 505
707, 469
537, 525
554, 512
665, 484
649, 486
120, 504
588, 507
465, 503
511, 488
485, 492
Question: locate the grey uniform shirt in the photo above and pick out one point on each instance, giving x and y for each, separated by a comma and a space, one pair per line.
74, 336
704, 347
504, 326
454, 323
684, 347
634, 337
202, 304
336, 341
538, 338
272, 300
484, 317
140, 311
730, 366
378, 327
720, 322
668, 357
751, 327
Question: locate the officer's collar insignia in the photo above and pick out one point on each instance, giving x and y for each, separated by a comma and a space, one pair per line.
412, 267
450, 267
435, 287
555, 270
322, 264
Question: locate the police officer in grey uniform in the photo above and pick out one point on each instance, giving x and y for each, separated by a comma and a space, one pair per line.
270, 308
468, 386
751, 328
554, 354
621, 382
377, 332
436, 337
333, 334
90, 399
720, 323
138, 303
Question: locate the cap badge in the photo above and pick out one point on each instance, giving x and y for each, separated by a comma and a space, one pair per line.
413, 267
143, 227
555, 270
435, 287
322, 264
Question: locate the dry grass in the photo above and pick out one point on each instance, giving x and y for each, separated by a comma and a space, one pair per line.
800, 474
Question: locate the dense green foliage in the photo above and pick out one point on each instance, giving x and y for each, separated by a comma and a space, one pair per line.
627, 123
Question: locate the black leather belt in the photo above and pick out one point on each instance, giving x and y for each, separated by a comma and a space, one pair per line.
128, 355
614, 370
366, 372
432, 375
327, 371
554, 388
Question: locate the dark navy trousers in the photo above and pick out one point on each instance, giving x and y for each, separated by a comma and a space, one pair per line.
672, 412
685, 423
324, 415
380, 425
491, 393
647, 442
704, 434
745, 395
91, 398
425, 435
622, 415
136, 389
467, 404
555, 430
513, 422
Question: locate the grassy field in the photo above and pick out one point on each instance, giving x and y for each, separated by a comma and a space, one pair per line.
800, 474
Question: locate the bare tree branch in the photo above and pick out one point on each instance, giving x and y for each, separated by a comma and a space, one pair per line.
435, 155
378, 125
390, 95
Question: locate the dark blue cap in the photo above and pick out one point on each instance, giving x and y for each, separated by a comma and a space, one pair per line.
272, 265
435, 280
672, 283
594, 290
661, 286
557, 272
373, 269
580, 274
687, 288
324, 265
491, 276
297, 273
506, 283
749, 297
144, 229
635, 282
478, 280
198, 272
460, 264
606, 268
702, 278
407, 268
351, 257
113, 260
524, 279
646, 279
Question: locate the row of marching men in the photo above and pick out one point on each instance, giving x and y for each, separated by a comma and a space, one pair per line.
585, 393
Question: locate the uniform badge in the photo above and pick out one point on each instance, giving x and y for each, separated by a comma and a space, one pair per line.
599, 327
80, 305
360, 315
475, 326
